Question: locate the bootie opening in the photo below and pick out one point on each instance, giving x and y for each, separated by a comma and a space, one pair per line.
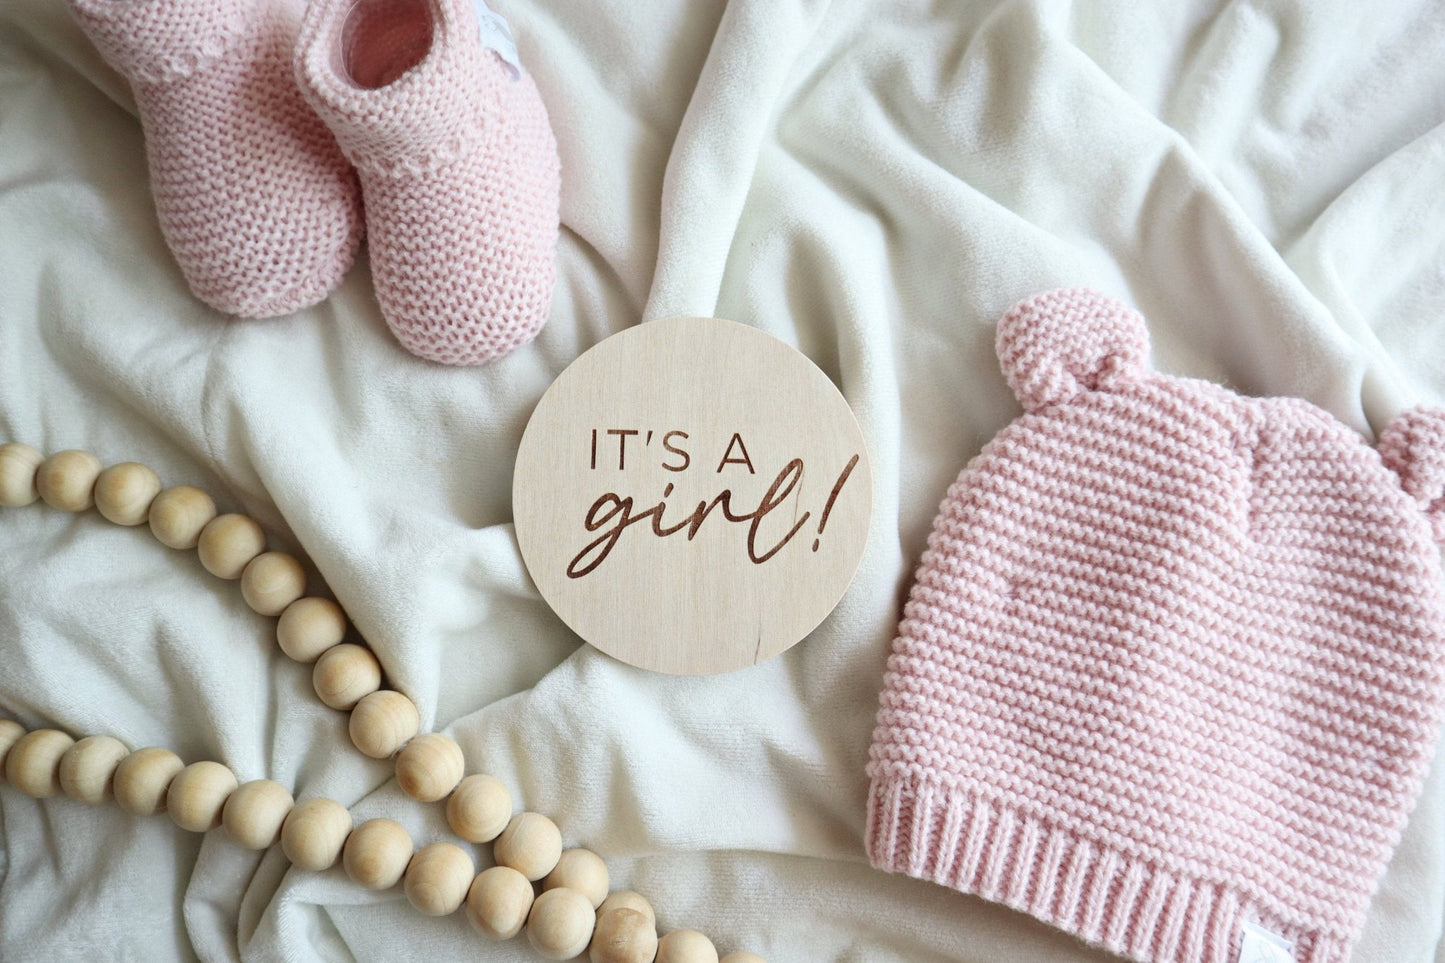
383, 39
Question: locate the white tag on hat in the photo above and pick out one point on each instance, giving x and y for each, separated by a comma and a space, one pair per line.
1264, 946
497, 35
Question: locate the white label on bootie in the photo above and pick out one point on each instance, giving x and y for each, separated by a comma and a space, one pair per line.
1263, 946
497, 35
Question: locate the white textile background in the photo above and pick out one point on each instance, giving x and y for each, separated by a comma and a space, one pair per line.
874, 183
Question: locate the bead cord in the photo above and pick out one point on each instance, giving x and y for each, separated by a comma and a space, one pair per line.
560, 897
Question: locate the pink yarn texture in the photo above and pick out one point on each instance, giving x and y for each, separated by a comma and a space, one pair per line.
1174, 659
458, 168
254, 197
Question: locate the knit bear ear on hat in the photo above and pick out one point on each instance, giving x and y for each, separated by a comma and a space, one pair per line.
1055, 346
1413, 447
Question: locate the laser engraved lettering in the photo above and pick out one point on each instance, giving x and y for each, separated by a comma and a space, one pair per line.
686, 458
729, 459
622, 434
612, 514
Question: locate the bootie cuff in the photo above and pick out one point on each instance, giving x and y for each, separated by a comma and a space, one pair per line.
155, 41
427, 118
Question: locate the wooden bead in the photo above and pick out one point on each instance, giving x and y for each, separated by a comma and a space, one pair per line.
437, 879
87, 770
179, 515
479, 808
582, 870
498, 902
686, 946
627, 899
10, 733
742, 956
623, 936
430, 766
33, 763
124, 492
143, 779
198, 794
18, 464
309, 627
314, 832
255, 812
560, 924
271, 581
531, 844
377, 853
382, 722
344, 674
66, 480
228, 543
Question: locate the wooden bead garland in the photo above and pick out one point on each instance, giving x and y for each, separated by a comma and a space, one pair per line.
581, 870
271, 581
123, 493
18, 464
66, 480
531, 844
143, 779
561, 922
437, 879
686, 946
377, 853
33, 763
10, 733
382, 722
430, 766
742, 956
87, 770
254, 813
179, 515
479, 808
498, 902
198, 794
228, 543
627, 899
344, 674
309, 627
623, 935
314, 833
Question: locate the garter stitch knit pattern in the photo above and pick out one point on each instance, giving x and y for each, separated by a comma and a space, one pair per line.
460, 176
1174, 659
254, 197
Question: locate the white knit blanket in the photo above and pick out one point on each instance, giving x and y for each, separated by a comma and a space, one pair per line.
874, 183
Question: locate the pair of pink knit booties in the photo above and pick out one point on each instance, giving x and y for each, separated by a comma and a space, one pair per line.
279, 132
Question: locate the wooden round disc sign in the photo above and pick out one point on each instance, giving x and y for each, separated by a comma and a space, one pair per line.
692, 496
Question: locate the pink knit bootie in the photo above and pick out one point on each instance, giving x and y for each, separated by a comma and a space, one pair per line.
255, 199
458, 166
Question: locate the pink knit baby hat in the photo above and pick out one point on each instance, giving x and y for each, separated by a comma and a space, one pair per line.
1171, 671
